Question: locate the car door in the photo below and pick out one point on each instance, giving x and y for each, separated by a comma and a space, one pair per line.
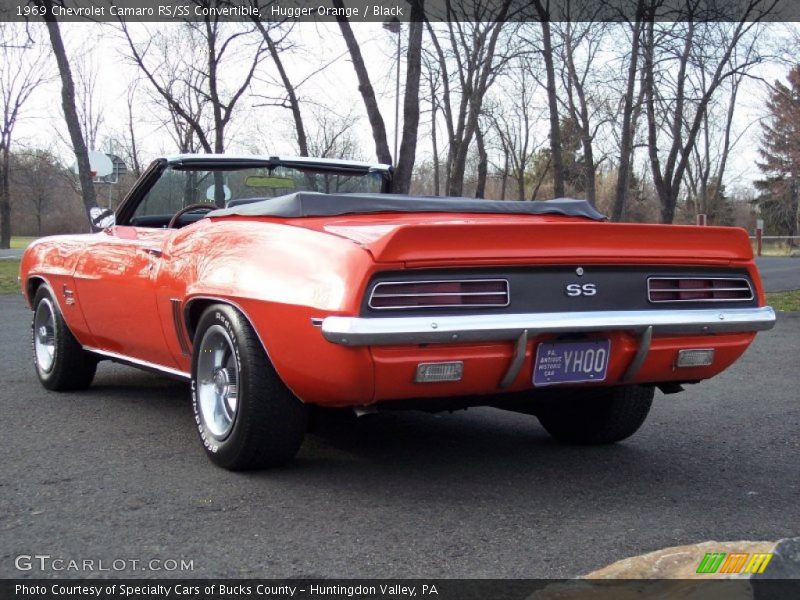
115, 285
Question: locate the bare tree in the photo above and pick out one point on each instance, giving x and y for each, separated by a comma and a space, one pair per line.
191, 89
88, 194
382, 151
36, 175
131, 146
274, 35
629, 115
90, 113
709, 159
23, 68
125, 139
433, 79
514, 122
472, 34
676, 97
333, 136
194, 92
581, 44
404, 163
543, 12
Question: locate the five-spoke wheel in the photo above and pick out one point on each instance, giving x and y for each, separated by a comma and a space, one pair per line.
217, 381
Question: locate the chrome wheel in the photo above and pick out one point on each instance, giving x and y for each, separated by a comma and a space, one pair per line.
44, 335
217, 382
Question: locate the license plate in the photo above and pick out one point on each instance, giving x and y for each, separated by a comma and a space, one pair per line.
571, 362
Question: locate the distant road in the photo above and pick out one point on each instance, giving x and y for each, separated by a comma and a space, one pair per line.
779, 273
13, 253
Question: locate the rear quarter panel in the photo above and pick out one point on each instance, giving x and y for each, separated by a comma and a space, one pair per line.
281, 277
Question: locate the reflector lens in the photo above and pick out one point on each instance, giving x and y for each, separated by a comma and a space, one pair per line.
442, 371
695, 358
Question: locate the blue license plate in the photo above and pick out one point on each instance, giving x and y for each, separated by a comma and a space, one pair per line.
571, 362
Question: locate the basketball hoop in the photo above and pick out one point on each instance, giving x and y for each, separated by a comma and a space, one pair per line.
100, 165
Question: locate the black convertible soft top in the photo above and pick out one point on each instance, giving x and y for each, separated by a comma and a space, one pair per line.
316, 204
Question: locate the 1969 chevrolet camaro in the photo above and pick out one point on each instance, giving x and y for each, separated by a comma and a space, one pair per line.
275, 285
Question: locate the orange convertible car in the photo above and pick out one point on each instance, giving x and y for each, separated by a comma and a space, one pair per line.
275, 285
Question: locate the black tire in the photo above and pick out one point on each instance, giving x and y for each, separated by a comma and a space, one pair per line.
246, 417
598, 416
61, 362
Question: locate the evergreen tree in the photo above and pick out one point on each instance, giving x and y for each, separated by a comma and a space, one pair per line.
779, 197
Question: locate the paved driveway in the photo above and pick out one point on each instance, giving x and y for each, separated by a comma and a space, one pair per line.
117, 472
779, 273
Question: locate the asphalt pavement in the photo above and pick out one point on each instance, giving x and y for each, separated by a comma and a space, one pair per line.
117, 472
779, 273
11, 254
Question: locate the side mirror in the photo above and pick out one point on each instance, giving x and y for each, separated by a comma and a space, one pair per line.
101, 218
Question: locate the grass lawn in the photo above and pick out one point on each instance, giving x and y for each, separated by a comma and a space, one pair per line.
786, 301
9, 270
20, 242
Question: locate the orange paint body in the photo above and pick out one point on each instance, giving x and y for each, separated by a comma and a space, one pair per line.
282, 273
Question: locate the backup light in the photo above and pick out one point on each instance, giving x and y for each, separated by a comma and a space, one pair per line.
439, 371
695, 358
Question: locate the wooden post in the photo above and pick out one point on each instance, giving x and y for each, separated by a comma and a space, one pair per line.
702, 219
759, 235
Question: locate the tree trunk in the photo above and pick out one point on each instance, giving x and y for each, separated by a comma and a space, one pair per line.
291, 94
483, 165
541, 179
628, 130
382, 151
5, 199
401, 182
70, 113
435, 149
552, 101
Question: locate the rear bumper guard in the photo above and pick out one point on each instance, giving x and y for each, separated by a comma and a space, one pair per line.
381, 331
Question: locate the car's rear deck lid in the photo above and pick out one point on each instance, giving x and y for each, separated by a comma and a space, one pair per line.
315, 204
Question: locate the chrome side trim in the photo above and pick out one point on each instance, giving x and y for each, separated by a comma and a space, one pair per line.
361, 331
725, 289
136, 362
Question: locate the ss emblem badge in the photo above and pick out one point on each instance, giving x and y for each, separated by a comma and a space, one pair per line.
577, 289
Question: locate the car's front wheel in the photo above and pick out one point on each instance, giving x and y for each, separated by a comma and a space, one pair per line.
598, 415
61, 362
246, 417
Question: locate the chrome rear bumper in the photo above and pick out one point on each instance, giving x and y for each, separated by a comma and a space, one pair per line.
362, 331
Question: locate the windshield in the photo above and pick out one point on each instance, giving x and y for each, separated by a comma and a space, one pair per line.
177, 189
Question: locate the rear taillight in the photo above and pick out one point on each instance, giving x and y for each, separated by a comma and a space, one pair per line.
698, 289
439, 294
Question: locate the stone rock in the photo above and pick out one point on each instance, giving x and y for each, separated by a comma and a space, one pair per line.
785, 563
678, 562
672, 573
